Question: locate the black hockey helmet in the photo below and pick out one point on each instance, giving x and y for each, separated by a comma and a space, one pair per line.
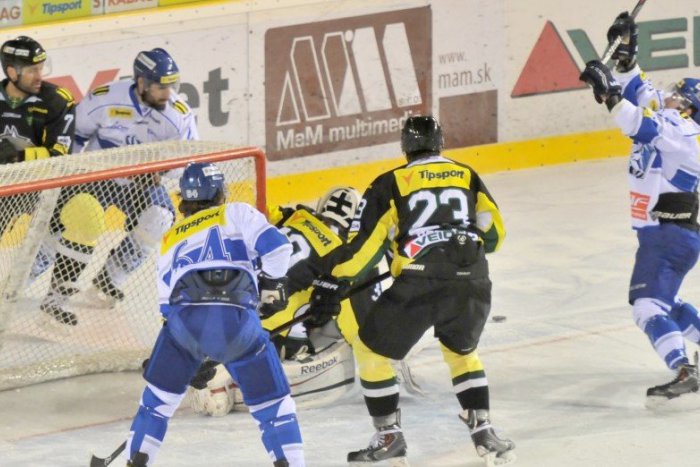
21, 51
421, 135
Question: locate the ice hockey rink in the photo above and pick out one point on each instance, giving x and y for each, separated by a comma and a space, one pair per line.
568, 369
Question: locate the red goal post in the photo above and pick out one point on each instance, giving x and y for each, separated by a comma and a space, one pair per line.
108, 337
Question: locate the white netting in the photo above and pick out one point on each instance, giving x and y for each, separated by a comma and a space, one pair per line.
66, 205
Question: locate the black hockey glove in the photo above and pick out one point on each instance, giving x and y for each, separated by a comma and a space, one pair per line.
605, 87
326, 296
273, 295
626, 53
205, 373
8, 152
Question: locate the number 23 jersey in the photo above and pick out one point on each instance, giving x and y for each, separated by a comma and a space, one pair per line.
416, 199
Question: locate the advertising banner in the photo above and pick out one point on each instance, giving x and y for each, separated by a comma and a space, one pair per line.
113, 6
345, 83
10, 13
41, 11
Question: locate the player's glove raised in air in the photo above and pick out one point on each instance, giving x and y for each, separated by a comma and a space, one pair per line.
326, 296
8, 152
605, 87
626, 53
273, 295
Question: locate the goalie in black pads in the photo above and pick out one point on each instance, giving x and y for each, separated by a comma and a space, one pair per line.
438, 219
664, 172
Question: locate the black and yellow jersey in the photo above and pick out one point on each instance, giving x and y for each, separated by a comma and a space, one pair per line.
42, 124
311, 240
417, 201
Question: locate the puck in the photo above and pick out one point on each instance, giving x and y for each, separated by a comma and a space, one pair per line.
498, 318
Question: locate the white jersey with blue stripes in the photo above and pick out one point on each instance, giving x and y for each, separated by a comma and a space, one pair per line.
233, 235
113, 116
666, 151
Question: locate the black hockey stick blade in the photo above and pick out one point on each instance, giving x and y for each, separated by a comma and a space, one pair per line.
304, 316
103, 462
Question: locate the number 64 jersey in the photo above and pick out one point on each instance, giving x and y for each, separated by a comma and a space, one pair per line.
414, 207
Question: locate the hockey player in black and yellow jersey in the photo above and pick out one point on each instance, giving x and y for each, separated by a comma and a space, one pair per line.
438, 221
37, 118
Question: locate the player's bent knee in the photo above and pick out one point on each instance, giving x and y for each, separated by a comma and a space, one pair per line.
164, 403
644, 309
83, 219
461, 364
260, 377
373, 367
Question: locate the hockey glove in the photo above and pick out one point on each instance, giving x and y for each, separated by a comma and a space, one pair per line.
625, 27
605, 86
205, 373
273, 295
324, 303
8, 152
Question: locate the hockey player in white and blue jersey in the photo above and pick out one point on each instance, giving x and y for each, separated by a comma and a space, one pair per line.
664, 171
127, 112
208, 293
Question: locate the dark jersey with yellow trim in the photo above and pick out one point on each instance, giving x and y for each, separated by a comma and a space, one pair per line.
311, 240
45, 120
409, 208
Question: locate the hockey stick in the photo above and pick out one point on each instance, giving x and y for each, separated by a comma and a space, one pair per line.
103, 462
618, 40
304, 316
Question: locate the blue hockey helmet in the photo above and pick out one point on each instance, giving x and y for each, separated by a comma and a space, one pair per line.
157, 66
201, 181
688, 89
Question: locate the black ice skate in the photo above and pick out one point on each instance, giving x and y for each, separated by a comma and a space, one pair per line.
104, 284
61, 316
686, 381
387, 444
494, 450
139, 460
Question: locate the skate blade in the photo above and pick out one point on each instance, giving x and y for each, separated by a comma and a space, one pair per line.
492, 459
93, 298
393, 462
682, 403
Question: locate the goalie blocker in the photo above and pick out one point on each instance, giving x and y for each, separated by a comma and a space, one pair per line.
315, 380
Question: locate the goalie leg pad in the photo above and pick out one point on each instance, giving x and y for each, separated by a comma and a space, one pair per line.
260, 376
83, 219
280, 431
652, 317
151, 422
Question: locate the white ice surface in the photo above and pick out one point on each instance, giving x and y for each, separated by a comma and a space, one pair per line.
568, 370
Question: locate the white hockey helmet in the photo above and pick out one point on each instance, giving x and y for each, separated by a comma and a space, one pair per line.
339, 205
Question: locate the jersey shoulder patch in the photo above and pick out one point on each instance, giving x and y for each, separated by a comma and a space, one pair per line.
56, 97
181, 107
100, 91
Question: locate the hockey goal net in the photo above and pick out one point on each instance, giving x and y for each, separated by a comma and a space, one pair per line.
110, 334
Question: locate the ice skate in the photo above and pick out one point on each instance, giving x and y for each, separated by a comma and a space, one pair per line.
139, 460
685, 382
494, 450
387, 446
103, 293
